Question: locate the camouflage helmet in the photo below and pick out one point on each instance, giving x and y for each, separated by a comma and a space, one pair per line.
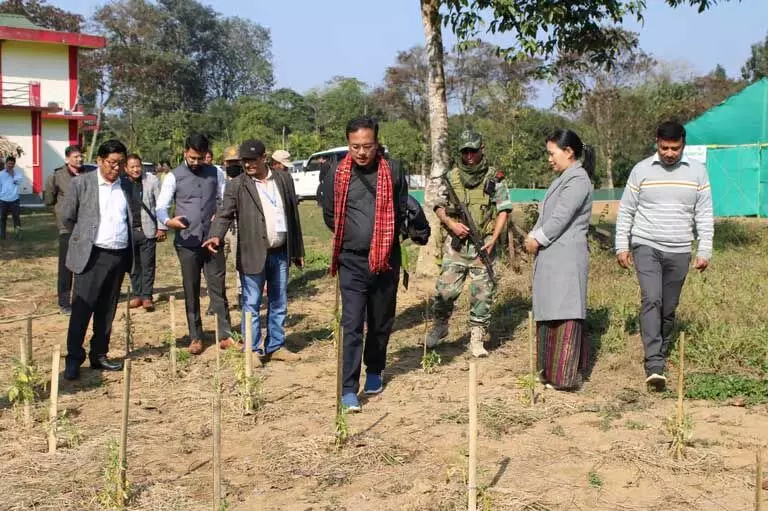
470, 140
231, 153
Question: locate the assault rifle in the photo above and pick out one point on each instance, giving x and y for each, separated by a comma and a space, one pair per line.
475, 237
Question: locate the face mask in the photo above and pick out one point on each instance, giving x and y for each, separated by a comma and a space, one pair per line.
234, 171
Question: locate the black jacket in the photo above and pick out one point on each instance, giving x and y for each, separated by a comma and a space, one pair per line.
242, 203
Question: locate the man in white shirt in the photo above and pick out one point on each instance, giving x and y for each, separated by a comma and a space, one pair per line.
9, 196
96, 212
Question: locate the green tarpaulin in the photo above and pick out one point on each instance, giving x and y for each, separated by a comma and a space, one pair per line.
735, 134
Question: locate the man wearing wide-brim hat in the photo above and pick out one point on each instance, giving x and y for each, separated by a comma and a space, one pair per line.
281, 160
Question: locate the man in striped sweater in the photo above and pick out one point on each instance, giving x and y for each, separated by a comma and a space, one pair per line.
666, 196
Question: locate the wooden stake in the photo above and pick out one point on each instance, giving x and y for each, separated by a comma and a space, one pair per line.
53, 411
681, 381
248, 354
123, 463
25, 365
29, 340
217, 434
339, 368
532, 353
172, 310
128, 322
472, 483
216, 346
759, 479
426, 325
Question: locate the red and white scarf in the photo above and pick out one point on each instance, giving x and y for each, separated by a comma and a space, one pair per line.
384, 216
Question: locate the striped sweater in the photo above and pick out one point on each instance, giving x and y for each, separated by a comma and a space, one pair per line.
661, 205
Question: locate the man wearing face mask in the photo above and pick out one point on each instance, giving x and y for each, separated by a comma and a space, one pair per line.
269, 240
666, 196
483, 192
195, 188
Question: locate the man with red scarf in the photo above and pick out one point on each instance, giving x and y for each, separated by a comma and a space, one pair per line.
364, 204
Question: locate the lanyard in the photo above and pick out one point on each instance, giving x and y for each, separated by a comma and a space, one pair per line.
271, 198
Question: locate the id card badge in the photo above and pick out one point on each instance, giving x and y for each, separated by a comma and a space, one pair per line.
280, 225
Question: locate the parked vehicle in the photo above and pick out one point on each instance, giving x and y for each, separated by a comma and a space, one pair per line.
307, 180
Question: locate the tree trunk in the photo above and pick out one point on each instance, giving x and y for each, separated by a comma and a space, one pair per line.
438, 128
609, 170
97, 128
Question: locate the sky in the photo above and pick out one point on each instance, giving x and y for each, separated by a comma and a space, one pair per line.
315, 40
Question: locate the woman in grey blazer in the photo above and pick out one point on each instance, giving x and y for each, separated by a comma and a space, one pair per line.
561, 268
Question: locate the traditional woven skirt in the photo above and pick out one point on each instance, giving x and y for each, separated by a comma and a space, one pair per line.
563, 352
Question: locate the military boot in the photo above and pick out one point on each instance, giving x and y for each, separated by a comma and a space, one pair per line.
438, 332
476, 336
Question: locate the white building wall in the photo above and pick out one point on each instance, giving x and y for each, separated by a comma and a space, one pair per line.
17, 127
45, 63
55, 137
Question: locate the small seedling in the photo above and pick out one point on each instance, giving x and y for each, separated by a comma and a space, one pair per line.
67, 430
681, 433
342, 429
249, 389
634, 425
430, 361
558, 430
528, 384
26, 384
594, 479
111, 495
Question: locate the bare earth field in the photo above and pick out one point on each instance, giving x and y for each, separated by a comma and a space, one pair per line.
602, 448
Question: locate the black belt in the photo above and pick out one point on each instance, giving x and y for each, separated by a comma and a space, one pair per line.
276, 250
363, 252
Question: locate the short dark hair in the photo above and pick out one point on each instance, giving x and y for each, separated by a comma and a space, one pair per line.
361, 123
72, 149
10, 157
198, 142
133, 156
670, 130
111, 147
165, 162
568, 138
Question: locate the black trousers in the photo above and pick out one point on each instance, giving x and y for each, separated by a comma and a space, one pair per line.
96, 292
64, 285
14, 208
143, 272
214, 267
371, 297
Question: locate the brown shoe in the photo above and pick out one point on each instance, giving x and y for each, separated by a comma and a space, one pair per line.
196, 347
135, 303
285, 355
228, 343
148, 305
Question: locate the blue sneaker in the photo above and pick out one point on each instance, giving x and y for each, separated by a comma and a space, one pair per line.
350, 403
374, 384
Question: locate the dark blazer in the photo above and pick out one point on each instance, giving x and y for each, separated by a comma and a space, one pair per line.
242, 203
80, 215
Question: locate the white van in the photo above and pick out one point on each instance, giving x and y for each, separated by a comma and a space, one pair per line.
307, 179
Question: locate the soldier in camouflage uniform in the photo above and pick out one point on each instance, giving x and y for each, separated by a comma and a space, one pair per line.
486, 196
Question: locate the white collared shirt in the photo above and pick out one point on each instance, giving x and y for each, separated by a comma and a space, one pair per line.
274, 210
113, 215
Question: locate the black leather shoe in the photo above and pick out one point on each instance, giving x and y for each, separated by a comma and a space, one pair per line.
71, 370
102, 362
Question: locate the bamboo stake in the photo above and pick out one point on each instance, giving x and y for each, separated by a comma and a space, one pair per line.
29, 340
217, 431
128, 322
53, 411
216, 346
123, 465
472, 483
172, 310
532, 356
759, 479
426, 326
25, 366
248, 354
678, 447
339, 368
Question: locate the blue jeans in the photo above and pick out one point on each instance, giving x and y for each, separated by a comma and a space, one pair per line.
275, 275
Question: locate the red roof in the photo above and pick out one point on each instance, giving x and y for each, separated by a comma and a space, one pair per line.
51, 37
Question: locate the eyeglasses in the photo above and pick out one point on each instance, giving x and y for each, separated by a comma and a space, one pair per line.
364, 148
114, 163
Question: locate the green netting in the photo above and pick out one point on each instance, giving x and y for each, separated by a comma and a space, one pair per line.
735, 176
741, 119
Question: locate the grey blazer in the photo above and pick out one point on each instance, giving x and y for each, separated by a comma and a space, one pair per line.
561, 268
150, 191
80, 215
